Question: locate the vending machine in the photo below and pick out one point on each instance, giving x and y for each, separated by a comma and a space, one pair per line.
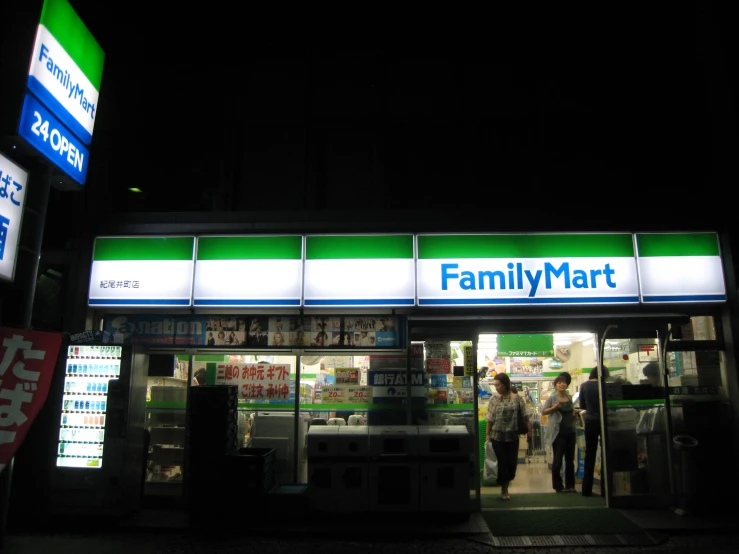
88, 370
100, 441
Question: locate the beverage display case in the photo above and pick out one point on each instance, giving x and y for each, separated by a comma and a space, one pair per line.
88, 370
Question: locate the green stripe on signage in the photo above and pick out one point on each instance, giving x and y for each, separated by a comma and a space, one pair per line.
143, 248
358, 247
525, 246
250, 248
64, 24
677, 244
211, 358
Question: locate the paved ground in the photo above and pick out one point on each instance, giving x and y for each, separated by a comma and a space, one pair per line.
166, 532
183, 543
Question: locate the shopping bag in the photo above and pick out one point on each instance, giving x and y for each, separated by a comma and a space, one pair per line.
490, 468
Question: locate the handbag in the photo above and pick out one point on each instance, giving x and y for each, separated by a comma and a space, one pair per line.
523, 425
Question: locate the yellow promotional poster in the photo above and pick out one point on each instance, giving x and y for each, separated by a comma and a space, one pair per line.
359, 395
333, 395
469, 361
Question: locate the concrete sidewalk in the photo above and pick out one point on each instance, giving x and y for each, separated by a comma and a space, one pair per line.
167, 532
370, 543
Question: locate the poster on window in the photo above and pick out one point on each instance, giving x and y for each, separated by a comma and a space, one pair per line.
346, 376
256, 381
225, 331
258, 331
527, 367
27, 360
372, 331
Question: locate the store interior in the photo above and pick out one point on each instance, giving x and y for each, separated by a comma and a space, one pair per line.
336, 390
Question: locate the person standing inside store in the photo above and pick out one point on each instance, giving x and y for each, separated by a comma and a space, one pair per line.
651, 372
567, 377
561, 412
501, 429
590, 403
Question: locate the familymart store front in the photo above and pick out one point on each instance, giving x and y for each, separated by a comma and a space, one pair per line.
382, 330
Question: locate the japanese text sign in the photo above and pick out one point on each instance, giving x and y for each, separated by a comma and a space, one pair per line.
12, 199
256, 381
27, 360
63, 84
346, 376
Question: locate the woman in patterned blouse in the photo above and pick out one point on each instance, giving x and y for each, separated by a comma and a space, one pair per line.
502, 429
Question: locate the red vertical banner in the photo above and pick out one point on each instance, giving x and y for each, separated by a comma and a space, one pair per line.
27, 360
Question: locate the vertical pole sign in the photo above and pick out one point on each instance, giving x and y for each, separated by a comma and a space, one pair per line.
27, 360
61, 101
13, 182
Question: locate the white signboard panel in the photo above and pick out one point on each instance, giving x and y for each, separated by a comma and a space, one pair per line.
144, 283
13, 181
261, 283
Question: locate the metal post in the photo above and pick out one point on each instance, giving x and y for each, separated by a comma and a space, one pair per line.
605, 477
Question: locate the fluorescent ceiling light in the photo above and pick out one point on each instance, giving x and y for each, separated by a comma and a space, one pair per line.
588, 342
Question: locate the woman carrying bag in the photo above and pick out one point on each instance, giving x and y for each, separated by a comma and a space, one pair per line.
504, 411
561, 434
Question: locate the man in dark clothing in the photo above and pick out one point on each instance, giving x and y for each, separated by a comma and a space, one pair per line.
590, 403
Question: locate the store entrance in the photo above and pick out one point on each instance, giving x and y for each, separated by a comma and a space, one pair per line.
631, 458
532, 362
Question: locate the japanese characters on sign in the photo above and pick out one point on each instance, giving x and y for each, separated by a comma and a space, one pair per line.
27, 360
694, 390
256, 381
13, 181
346, 376
450, 270
346, 394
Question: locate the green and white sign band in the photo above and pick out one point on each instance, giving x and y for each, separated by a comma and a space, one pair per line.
680, 267
235, 271
142, 271
406, 270
474, 269
66, 68
359, 271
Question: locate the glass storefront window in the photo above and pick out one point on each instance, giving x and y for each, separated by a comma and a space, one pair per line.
700, 371
334, 389
699, 328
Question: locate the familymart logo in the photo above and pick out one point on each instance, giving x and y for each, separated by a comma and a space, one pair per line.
516, 277
526, 269
66, 68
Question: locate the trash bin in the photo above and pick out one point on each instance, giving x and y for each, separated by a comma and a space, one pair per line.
251, 470
687, 474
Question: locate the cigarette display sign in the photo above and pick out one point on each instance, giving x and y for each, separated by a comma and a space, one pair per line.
13, 181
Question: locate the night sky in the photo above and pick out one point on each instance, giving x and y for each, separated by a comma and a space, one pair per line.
619, 114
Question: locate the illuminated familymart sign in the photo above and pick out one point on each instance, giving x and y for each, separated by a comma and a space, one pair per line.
262, 271
680, 267
407, 270
465, 270
61, 104
142, 271
359, 271
66, 68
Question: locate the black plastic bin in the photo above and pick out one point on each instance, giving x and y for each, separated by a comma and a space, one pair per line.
688, 470
252, 470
